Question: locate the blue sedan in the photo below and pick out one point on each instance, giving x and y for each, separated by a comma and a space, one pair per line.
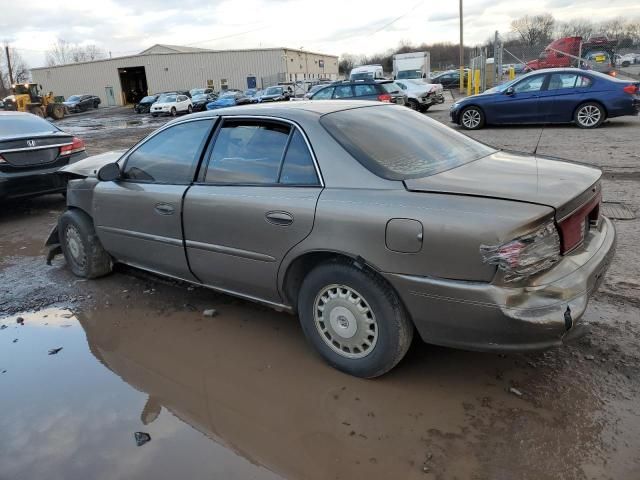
555, 95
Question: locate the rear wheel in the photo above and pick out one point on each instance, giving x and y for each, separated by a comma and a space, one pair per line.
589, 115
95, 104
37, 111
56, 111
81, 246
472, 118
353, 319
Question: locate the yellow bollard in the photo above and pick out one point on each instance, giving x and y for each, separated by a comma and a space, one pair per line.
512, 73
469, 82
476, 82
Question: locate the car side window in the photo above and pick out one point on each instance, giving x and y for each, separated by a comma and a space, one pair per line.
298, 167
247, 152
363, 90
323, 94
170, 156
343, 91
532, 84
182, 98
560, 81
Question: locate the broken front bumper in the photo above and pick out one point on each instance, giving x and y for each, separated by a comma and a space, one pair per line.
491, 317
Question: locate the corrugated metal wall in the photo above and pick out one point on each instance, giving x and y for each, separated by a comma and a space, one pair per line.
166, 72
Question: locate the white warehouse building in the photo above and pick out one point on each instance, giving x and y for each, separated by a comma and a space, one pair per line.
162, 68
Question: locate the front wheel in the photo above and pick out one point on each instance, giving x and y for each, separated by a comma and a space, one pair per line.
353, 319
81, 247
189, 109
174, 112
95, 104
589, 115
472, 118
413, 104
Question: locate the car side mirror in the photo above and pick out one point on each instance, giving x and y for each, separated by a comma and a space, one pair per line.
509, 91
109, 172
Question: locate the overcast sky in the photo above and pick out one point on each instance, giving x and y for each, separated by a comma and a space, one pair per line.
329, 26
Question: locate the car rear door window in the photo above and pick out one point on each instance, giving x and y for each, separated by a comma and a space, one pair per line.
170, 156
343, 91
583, 82
561, 81
324, 94
298, 167
364, 90
248, 153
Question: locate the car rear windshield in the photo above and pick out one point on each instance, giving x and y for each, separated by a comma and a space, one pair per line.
397, 143
24, 125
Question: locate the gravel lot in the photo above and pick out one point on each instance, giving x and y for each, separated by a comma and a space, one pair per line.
240, 395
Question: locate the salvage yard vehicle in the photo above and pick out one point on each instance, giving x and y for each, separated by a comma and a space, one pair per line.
274, 94
229, 99
31, 152
81, 103
421, 95
28, 97
555, 95
368, 220
199, 101
383, 91
144, 105
171, 104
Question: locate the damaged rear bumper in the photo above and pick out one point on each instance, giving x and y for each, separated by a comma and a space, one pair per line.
489, 317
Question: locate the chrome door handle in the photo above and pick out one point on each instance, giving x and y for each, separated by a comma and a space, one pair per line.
279, 218
164, 209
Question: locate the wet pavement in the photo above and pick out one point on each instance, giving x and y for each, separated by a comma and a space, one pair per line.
241, 395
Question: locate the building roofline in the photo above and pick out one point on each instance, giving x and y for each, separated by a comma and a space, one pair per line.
146, 55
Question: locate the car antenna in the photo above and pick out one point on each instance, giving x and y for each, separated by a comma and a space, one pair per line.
535, 150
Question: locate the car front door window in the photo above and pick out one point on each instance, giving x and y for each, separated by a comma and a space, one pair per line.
323, 94
343, 91
170, 156
528, 85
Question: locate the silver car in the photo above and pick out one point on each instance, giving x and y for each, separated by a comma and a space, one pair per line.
368, 220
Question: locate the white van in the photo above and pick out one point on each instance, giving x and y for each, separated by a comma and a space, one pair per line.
367, 72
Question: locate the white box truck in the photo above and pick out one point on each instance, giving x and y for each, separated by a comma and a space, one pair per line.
411, 65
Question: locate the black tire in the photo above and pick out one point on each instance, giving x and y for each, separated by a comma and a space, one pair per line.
81, 247
189, 109
472, 118
589, 115
96, 104
57, 111
392, 324
626, 63
413, 104
424, 108
154, 114
174, 112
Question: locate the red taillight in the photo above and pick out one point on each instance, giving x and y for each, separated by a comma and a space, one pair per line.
384, 97
574, 228
76, 146
631, 89
613, 73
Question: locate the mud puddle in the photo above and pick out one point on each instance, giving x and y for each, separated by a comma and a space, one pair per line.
241, 396
87, 125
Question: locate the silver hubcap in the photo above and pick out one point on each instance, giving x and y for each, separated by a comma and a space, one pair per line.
74, 245
589, 115
471, 118
345, 321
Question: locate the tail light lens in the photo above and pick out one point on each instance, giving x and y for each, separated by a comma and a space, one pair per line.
631, 89
526, 255
384, 97
574, 228
76, 146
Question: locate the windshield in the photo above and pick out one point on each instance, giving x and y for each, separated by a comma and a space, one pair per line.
166, 98
198, 97
73, 98
397, 143
504, 86
410, 74
228, 95
196, 91
24, 125
274, 91
148, 99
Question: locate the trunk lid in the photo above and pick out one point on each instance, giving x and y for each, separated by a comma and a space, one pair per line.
34, 150
559, 184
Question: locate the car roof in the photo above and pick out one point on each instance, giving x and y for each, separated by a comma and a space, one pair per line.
8, 113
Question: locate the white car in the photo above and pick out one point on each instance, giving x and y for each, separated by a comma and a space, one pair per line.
421, 95
171, 104
628, 59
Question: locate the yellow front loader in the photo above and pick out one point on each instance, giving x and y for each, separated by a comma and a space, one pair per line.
27, 97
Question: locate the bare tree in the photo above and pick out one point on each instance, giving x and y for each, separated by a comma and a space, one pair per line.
613, 29
534, 29
576, 27
63, 52
19, 68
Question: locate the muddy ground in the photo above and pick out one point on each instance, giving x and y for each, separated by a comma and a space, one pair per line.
241, 395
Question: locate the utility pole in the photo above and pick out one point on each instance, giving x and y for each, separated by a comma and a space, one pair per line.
461, 53
6, 49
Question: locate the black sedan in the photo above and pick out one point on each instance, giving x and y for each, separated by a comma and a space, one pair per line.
81, 103
31, 152
144, 105
200, 100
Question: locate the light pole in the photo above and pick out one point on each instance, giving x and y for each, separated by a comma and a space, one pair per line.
461, 52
